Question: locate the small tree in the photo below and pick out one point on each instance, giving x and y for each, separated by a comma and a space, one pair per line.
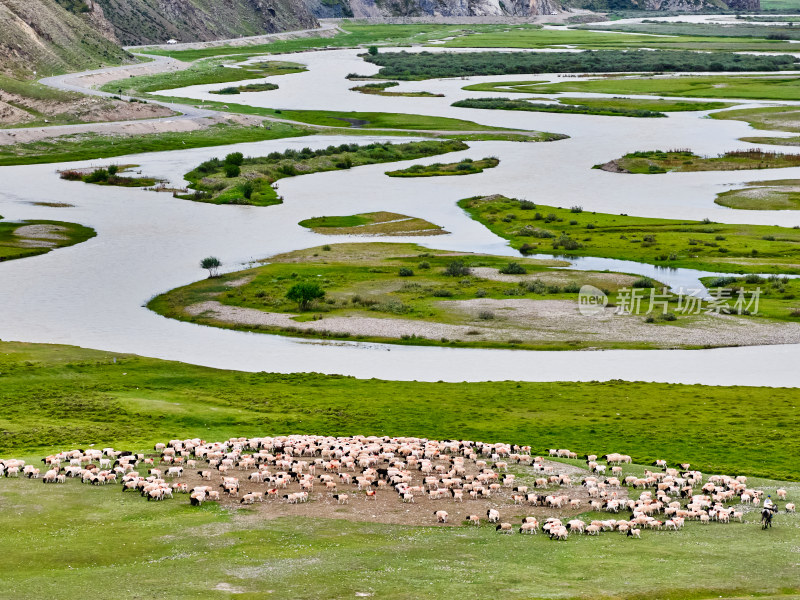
305, 293
373, 50
232, 170
212, 263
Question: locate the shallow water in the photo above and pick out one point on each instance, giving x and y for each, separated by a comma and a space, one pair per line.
92, 294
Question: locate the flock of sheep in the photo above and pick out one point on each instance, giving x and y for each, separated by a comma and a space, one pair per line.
292, 470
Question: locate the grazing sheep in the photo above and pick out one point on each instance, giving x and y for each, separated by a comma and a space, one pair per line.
441, 516
593, 530
790, 508
781, 493
504, 528
492, 515
341, 498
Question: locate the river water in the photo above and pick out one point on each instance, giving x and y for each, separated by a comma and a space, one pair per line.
92, 294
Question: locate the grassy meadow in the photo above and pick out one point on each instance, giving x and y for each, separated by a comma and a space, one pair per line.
573, 109
701, 86
665, 242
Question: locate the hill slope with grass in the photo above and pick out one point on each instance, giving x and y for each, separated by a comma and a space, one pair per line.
44, 37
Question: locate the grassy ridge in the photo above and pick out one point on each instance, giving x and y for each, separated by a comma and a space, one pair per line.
466, 166
62, 396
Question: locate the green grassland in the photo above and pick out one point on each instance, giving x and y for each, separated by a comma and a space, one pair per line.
780, 194
574, 109
664, 242
548, 38
204, 72
658, 162
428, 65
16, 244
57, 397
739, 30
168, 549
239, 180
704, 86
373, 224
354, 34
91, 146
466, 166
774, 118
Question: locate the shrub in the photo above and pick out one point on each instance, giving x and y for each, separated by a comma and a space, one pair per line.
326, 248
644, 282
668, 317
457, 268
405, 272
480, 293
486, 315
526, 205
572, 288
424, 265
232, 170
513, 268
576, 209
234, 158
442, 293
304, 293
96, 176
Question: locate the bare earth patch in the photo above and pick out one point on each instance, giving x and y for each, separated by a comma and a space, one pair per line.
387, 507
39, 236
525, 320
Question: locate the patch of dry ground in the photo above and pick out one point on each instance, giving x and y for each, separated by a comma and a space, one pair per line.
16, 109
526, 320
387, 507
39, 236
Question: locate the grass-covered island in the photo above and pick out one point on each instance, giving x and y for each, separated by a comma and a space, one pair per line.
778, 194
466, 166
239, 180
109, 175
703, 245
657, 161
378, 224
430, 65
21, 239
574, 109
405, 294
250, 87
380, 89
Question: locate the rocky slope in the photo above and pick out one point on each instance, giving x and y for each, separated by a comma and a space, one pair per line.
43, 36
156, 21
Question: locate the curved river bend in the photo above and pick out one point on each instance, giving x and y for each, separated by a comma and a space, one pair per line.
92, 294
